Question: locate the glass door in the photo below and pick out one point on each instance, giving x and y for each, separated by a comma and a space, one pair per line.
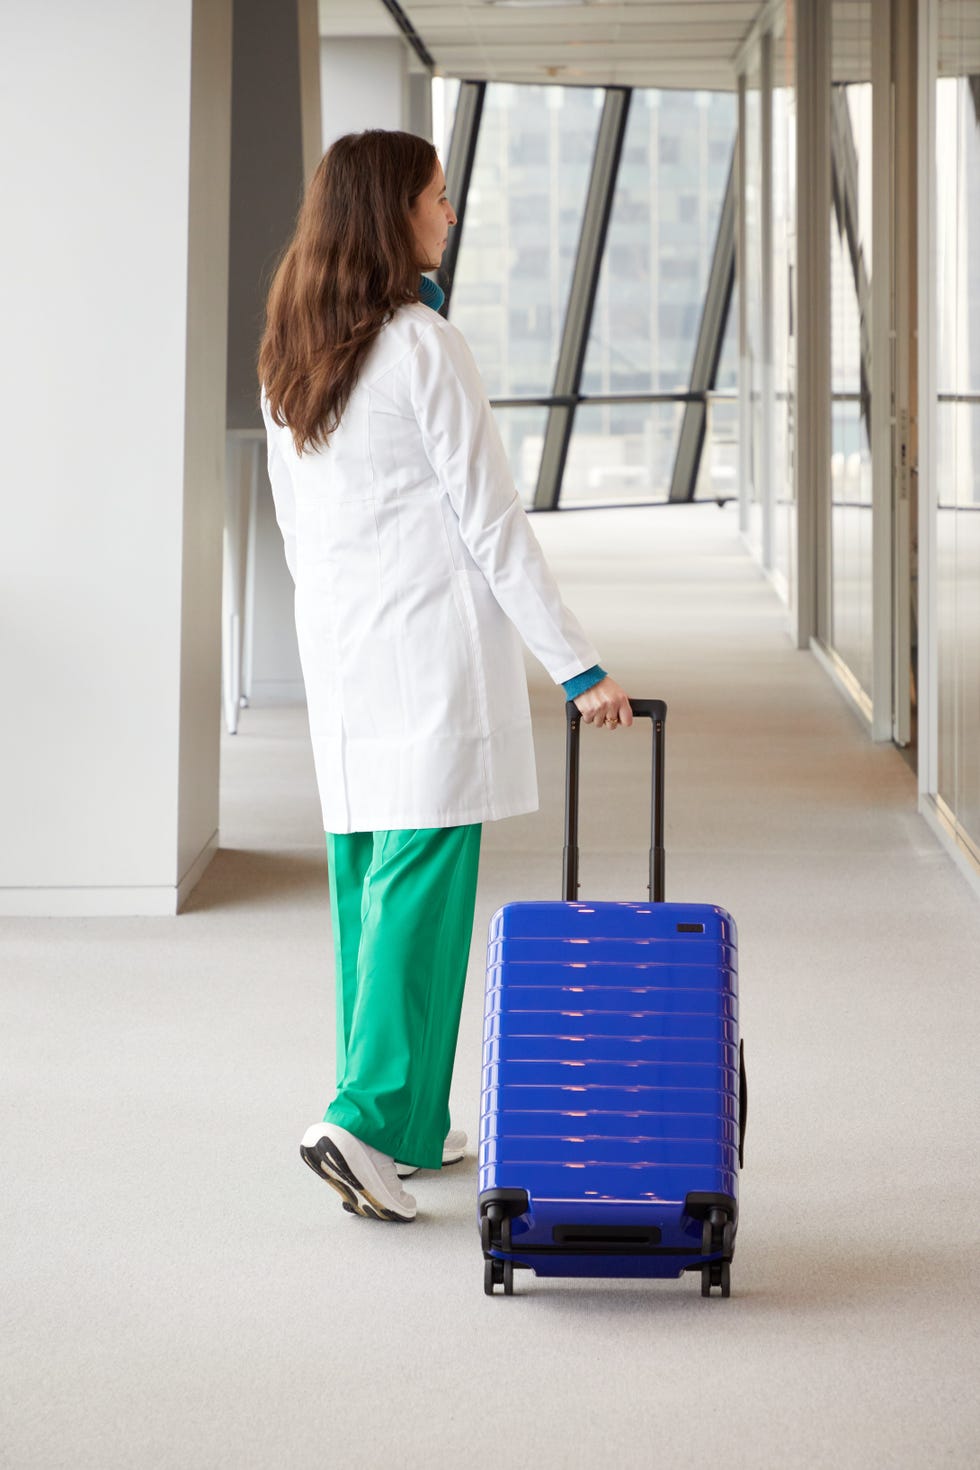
850, 632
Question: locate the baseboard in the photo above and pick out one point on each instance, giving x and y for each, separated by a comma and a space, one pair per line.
193, 875
136, 901
841, 676
954, 845
78, 903
277, 691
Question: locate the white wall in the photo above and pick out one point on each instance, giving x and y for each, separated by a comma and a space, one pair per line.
363, 84
275, 148
204, 434
274, 666
112, 299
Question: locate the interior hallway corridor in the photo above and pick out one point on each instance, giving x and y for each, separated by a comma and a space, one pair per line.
179, 1291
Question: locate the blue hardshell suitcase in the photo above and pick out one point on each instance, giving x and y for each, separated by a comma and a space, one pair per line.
614, 1099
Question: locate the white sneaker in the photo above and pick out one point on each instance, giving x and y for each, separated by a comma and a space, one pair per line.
453, 1150
363, 1176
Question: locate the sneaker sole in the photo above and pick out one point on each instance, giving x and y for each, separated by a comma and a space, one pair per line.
328, 1163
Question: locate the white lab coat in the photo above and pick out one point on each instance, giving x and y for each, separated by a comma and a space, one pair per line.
416, 569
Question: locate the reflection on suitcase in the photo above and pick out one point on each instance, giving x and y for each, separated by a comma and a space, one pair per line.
614, 1100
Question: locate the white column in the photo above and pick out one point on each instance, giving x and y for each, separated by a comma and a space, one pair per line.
114, 301
346, 84
275, 147
350, 84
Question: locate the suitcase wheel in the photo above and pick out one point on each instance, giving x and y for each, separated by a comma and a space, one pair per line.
497, 1273
717, 1235
495, 1229
718, 1273
490, 1275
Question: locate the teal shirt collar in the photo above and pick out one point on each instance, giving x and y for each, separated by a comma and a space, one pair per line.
430, 294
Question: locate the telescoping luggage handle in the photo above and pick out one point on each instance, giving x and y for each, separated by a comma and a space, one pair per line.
656, 709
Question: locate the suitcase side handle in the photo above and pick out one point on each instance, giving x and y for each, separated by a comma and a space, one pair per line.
743, 1104
656, 710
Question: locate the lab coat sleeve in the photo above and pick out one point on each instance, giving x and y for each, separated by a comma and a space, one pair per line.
282, 489
465, 450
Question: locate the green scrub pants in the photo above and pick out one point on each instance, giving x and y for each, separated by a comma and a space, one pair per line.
401, 906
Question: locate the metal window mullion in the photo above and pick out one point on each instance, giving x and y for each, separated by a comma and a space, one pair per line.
582, 294
844, 190
411, 35
707, 350
459, 172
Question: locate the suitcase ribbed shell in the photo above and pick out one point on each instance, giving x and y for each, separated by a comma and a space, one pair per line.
610, 1077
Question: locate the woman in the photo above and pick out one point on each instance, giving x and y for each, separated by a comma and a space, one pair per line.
417, 573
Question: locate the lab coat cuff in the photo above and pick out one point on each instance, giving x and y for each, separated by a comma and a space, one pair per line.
569, 670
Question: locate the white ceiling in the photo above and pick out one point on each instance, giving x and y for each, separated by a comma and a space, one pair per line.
634, 43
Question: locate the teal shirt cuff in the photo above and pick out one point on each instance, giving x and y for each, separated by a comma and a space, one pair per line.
580, 682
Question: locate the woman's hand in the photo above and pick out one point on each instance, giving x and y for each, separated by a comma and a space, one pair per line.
605, 705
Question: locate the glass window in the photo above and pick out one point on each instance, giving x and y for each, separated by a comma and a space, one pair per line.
660, 244
521, 231
718, 471
783, 459
522, 431
850, 339
957, 204
522, 228
621, 452
752, 367
726, 379
445, 95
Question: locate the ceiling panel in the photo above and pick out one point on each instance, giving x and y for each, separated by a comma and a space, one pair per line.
356, 18
635, 43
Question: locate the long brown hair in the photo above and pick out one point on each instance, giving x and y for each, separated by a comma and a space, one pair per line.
352, 262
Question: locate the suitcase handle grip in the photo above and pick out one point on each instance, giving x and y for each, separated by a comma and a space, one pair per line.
656, 710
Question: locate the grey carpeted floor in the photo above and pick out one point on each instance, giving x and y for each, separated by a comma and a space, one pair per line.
179, 1291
